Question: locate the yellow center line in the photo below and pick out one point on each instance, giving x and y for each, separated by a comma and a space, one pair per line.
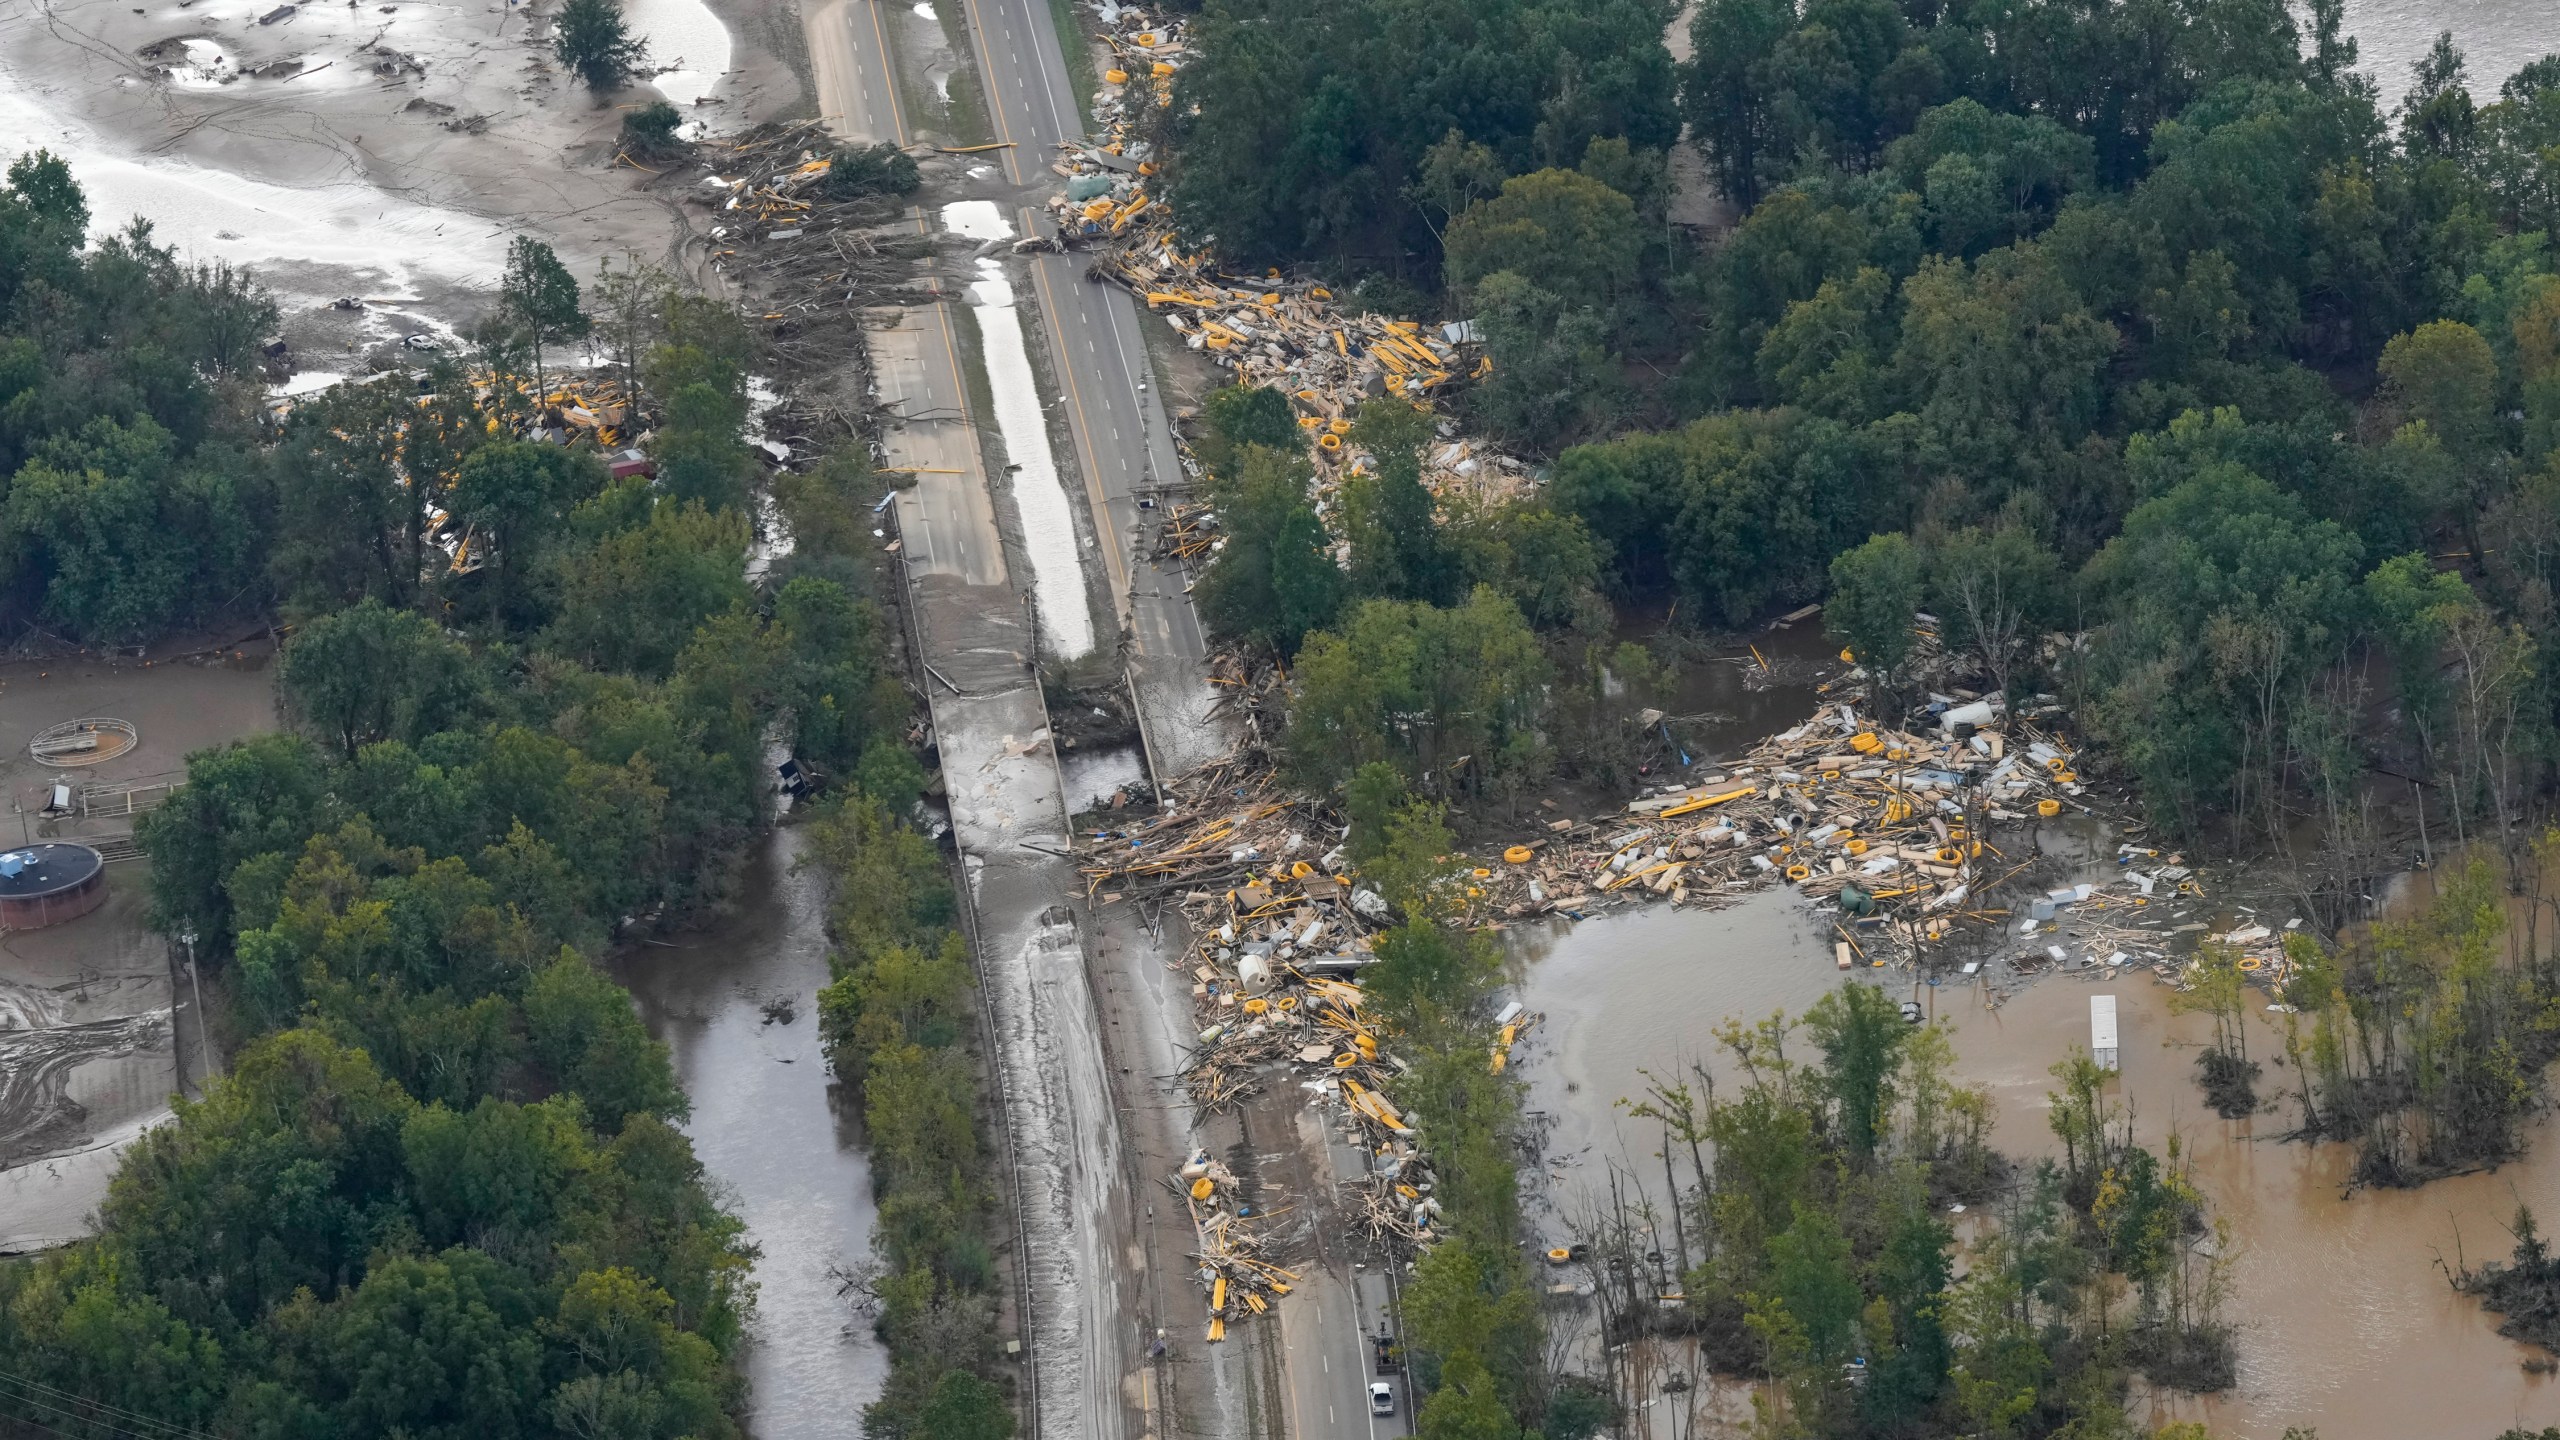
1084, 444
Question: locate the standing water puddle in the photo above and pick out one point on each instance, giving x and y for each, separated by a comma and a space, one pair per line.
737, 1003
1039, 497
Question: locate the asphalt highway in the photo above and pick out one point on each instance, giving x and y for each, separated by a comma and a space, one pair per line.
1123, 438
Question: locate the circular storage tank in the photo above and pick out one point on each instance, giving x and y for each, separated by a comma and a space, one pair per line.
47, 884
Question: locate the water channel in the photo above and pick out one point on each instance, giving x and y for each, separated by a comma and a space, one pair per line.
737, 1004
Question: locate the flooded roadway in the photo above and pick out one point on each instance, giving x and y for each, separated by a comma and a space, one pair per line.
737, 1004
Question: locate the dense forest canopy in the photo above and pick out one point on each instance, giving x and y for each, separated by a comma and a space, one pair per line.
441, 1191
2149, 321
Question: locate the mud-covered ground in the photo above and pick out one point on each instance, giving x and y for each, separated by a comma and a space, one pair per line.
381, 151
97, 1025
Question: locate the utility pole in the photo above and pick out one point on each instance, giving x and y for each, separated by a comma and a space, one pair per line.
204, 1037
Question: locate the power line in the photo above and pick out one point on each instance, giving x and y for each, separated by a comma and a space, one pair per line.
162, 1426
73, 1406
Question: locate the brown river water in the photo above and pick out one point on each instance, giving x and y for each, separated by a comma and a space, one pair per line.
2346, 1320
777, 1134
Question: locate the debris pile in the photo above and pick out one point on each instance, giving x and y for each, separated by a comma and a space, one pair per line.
1281, 925
809, 251
1284, 334
1288, 336
1106, 182
1232, 1273
1188, 533
1893, 826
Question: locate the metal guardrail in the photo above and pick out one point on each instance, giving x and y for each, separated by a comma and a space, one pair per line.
973, 926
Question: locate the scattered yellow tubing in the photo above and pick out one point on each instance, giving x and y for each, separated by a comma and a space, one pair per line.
1691, 807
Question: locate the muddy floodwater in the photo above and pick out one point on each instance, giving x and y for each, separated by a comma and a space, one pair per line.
737, 1004
2346, 1322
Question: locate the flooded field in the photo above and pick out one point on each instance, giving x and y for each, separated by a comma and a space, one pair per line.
737, 1004
2346, 1321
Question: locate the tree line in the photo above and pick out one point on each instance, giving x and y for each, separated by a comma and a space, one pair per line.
1469, 1311
440, 1192
899, 1023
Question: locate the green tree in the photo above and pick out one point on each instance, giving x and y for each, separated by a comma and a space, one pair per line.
516, 496
1274, 578
585, 1033
1813, 1273
373, 673
1995, 590
344, 511
1303, 130
591, 38
1875, 589
241, 800
1554, 379
856, 171
1453, 697
965, 1407
650, 132
537, 291
1727, 108
2445, 374
2220, 597
1376, 794
633, 600
1397, 549
1545, 562
1860, 1031
700, 454
1574, 234
95, 528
